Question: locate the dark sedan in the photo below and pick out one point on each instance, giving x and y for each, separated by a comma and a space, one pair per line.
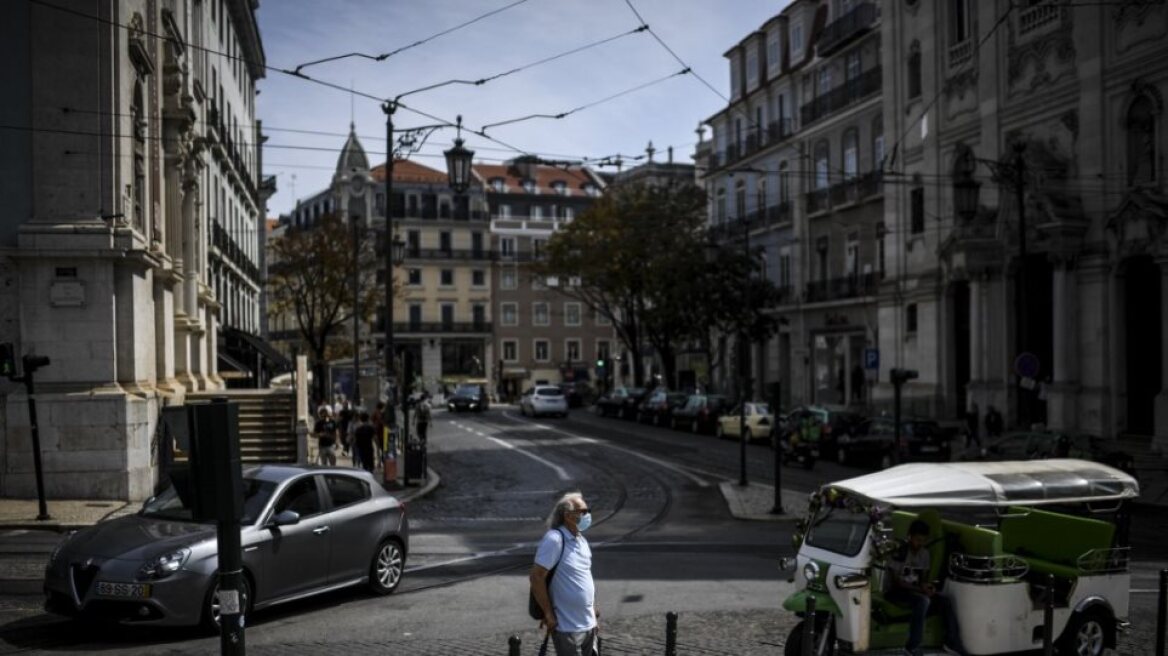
871, 442
468, 398
1031, 445
700, 413
658, 407
305, 531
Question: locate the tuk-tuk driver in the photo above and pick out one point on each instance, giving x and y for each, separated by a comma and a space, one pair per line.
910, 588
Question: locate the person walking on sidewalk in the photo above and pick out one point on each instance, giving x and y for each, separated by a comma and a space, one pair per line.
326, 438
363, 435
569, 601
971, 421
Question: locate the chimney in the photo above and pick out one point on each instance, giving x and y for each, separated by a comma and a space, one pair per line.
670, 151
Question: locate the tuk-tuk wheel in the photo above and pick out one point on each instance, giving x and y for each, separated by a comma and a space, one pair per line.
1089, 633
794, 646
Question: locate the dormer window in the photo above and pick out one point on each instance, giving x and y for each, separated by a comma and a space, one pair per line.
560, 187
529, 186
591, 190
497, 185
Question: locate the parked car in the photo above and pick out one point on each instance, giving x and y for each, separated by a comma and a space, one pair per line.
835, 422
575, 393
468, 397
544, 400
872, 442
1032, 445
758, 422
658, 407
305, 531
700, 413
610, 403
628, 407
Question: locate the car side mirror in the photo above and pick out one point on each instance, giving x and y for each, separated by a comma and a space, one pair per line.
285, 518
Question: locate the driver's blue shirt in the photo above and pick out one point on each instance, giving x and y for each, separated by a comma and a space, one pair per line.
572, 589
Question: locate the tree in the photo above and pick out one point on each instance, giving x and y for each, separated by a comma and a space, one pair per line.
311, 280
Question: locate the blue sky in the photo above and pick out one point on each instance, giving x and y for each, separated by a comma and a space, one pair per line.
297, 31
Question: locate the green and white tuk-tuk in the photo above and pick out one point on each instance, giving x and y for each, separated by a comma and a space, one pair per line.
998, 533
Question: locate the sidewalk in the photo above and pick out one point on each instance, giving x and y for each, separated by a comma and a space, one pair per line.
755, 502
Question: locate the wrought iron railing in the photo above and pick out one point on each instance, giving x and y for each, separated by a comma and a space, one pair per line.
406, 327
847, 27
843, 96
834, 289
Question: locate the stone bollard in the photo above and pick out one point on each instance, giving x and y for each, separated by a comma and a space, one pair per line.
513, 645
671, 634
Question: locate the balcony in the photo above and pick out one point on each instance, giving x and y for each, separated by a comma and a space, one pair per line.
1034, 18
780, 213
869, 82
846, 28
448, 327
231, 251
464, 254
780, 129
817, 201
960, 53
837, 289
846, 192
734, 227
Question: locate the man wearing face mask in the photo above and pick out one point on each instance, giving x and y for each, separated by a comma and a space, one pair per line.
569, 601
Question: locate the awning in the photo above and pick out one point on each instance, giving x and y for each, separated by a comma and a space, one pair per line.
993, 484
514, 372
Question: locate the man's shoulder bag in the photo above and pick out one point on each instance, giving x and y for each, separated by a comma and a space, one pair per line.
533, 608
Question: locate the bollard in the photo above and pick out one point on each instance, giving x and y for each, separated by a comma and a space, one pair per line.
1048, 618
671, 634
1162, 614
809, 627
513, 644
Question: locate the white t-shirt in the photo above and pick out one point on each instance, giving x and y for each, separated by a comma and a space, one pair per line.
572, 589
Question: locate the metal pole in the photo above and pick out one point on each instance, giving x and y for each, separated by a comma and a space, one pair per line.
1023, 410
1048, 618
671, 634
232, 601
513, 645
809, 627
744, 358
777, 509
387, 242
42, 505
1162, 614
356, 317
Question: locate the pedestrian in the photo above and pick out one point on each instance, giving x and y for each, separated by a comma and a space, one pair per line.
422, 416
569, 601
858, 381
364, 435
993, 422
325, 430
378, 419
971, 419
350, 439
345, 420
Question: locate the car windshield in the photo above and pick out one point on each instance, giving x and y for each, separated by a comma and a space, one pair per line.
760, 409
839, 530
467, 391
548, 391
168, 505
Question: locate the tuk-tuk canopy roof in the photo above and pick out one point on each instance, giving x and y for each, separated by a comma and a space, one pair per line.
1026, 482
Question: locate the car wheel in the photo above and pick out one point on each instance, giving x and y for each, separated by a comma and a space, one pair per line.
210, 621
1087, 634
385, 572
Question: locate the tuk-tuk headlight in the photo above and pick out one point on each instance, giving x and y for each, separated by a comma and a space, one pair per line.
851, 581
811, 571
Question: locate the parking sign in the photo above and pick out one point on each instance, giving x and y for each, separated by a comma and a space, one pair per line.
871, 358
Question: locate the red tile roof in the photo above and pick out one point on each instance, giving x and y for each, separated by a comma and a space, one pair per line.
405, 170
574, 177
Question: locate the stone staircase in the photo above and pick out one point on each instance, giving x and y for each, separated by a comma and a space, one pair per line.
1151, 467
267, 426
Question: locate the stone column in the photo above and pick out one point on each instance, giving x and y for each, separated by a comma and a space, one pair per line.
976, 339
1161, 418
1061, 393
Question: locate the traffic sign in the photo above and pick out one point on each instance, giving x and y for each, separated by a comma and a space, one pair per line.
871, 358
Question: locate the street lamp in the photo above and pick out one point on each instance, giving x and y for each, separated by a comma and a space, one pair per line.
458, 160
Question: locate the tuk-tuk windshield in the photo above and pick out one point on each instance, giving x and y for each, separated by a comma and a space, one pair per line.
839, 530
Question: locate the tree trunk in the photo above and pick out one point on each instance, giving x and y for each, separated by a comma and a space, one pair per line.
669, 364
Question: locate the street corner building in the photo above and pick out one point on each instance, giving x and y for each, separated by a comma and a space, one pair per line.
130, 238
972, 190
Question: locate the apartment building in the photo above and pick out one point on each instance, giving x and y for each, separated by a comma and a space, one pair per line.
793, 166
540, 334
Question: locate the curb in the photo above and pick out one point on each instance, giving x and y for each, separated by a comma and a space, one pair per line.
739, 510
433, 480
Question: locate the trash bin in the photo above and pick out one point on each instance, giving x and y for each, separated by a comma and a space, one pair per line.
415, 460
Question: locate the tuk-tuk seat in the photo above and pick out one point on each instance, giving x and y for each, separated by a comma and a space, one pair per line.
1052, 543
901, 520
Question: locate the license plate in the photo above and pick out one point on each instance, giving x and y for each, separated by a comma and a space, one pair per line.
930, 449
136, 590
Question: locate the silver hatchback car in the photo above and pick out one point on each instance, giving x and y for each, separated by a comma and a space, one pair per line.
306, 530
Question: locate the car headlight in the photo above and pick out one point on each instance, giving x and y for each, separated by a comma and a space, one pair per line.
811, 571
472, 404
164, 565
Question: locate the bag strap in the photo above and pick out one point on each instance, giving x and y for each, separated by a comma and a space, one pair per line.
563, 546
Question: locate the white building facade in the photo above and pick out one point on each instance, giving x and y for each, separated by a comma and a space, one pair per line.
136, 152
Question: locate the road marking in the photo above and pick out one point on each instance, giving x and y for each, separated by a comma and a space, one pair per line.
701, 482
560, 471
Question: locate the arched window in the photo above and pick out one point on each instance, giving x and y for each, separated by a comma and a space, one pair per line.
822, 161
760, 200
138, 125
878, 143
914, 70
784, 183
740, 199
720, 207
1142, 118
851, 153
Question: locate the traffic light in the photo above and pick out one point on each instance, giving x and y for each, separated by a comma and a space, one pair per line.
7, 360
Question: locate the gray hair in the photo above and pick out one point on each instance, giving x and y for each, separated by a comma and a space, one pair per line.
555, 518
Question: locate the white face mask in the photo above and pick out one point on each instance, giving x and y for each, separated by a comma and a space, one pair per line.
584, 522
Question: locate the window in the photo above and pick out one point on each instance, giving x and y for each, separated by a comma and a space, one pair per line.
796, 42
447, 310
878, 144
572, 350
772, 49
603, 349
735, 80
821, 165
509, 313
823, 81
751, 68
785, 267
574, 281
881, 233
784, 183
478, 314
591, 190
542, 350
510, 350
415, 277
571, 314
760, 200
822, 248
852, 66
447, 278
852, 262
538, 246
413, 242
476, 243
139, 127
851, 153
444, 241
537, 212
478, 278
602, 319
914, 71
1142, 158
504, 211
498, 185
960, 20
560, 187
507, 246
540, 315
918, 210
508, 278
415, 315
345, 490
301, 497
529, 186
740, 199
910, 318
720, 206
